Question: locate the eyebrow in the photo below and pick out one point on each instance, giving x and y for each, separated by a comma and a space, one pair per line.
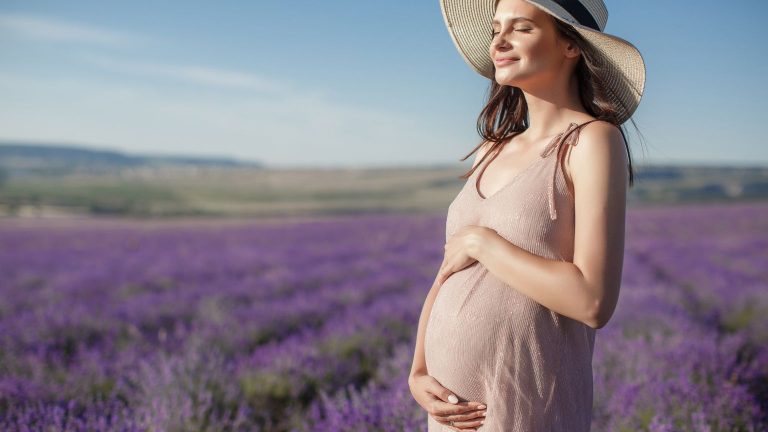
495, 21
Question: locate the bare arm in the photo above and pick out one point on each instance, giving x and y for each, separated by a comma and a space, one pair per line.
587, 289
419, 365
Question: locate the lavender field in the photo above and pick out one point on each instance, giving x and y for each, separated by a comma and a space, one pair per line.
309, 326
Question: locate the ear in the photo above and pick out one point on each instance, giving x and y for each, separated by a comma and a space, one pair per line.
570, 49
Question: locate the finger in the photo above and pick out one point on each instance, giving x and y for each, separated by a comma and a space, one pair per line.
442, 393
471, 418
446, 402
465, 426
470, 411
447, 409
444, 423
448, 425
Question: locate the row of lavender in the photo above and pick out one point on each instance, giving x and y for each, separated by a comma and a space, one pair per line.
310, 327
202, 328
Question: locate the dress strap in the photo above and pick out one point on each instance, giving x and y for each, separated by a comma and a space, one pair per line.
571, 137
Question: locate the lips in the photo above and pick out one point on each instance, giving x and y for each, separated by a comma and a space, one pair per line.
506, 60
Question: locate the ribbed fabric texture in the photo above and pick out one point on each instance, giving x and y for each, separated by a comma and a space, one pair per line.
487, 342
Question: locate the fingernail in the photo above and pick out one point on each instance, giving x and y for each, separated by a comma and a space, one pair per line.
453, 399
481, 407
485, 412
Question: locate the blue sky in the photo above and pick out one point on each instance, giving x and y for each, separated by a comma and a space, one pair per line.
346, 83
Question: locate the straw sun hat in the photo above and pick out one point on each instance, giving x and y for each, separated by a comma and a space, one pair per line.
622, 67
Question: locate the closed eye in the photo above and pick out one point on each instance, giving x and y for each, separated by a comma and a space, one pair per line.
524, 30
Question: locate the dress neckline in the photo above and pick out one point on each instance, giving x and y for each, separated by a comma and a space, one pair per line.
543, 155
510, 182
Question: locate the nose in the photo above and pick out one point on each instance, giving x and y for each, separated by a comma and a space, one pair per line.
498, 44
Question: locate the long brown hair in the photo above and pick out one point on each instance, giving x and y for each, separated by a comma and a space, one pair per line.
506, 114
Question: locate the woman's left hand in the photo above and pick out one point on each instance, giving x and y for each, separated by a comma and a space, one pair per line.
462, 249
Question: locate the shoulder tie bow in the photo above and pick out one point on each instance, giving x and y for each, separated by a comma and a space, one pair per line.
570, 136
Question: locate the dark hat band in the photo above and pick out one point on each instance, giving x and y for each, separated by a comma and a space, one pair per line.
578, 11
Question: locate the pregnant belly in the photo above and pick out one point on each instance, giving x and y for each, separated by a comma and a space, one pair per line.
487, 342
467, 331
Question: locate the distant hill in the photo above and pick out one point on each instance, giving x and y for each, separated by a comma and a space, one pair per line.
55, 181
50, 160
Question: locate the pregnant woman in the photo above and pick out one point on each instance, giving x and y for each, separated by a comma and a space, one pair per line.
534, 249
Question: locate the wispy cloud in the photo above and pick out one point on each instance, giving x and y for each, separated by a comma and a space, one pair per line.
296, 127
42, 28
242, 113
196, 74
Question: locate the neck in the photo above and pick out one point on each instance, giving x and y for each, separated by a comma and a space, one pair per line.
552, 107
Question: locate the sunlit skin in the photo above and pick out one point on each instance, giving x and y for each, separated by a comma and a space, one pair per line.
586, 289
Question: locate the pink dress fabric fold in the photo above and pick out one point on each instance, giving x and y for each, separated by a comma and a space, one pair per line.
487, 342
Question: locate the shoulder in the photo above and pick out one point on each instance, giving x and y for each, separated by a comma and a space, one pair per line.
600, 133
598, 142
600, 152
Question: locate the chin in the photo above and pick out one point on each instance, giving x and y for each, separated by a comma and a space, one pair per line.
504, 80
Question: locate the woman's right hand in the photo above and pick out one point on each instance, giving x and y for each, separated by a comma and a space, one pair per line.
436, 400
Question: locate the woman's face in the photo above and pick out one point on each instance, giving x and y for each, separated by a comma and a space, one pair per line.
526, 34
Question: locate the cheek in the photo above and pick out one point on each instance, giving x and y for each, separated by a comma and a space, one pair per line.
536, 48
540, 55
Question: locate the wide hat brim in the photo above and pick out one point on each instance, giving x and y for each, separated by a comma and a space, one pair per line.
622, 72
